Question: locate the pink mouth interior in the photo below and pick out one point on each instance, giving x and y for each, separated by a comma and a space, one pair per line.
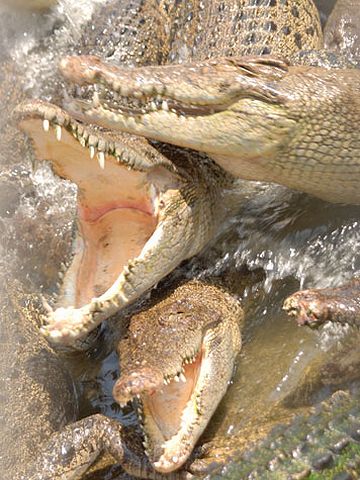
165, 406
115, 212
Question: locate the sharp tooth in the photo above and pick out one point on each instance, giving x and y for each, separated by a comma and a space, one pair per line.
165, 106
58, 132
96, 99
182, 377
138, 395
92, 151
101, 159
153, 106
46, 125
176, 378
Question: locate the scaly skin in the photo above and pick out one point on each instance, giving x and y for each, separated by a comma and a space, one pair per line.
28, 369
178, 359
137, 219
39, 403
171, 200
322, 446
204, 322
258, 117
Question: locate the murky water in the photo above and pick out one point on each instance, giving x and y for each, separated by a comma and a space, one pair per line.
299, 242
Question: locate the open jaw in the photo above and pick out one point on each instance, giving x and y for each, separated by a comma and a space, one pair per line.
124, 229
191, 105
176, 363
168, 408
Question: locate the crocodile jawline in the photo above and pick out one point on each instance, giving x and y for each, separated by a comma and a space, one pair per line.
118, 202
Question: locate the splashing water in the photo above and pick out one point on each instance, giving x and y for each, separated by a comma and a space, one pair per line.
298, 241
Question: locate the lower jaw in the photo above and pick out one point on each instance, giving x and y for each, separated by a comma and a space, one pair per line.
172, 458
104, 246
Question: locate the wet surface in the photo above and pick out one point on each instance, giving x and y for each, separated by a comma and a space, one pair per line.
298, 241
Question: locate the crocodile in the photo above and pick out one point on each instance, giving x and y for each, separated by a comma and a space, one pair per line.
204, 321
140, 212
141, 209
179, 384
261, 117
152, 371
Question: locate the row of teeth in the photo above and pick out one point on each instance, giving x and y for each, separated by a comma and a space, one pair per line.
154, 106
180, 376
146, 90
123, 404
177, 378
140, 414
136, 101
136, 107
83, 142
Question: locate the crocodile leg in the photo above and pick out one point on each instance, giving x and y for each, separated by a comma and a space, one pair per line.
316, 306
70, 453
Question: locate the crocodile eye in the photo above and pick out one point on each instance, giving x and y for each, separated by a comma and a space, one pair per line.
166, 319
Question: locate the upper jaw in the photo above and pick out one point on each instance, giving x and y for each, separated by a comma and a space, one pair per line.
221, 107
166, 406
129, 177
176, 361
190, 89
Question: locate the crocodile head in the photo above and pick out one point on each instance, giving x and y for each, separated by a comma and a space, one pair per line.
192, 105
176, 362
258, 117
134, 216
